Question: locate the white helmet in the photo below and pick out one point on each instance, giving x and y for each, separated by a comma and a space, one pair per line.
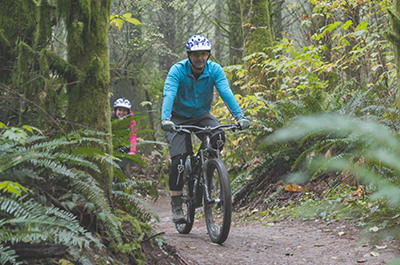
122, 102
198, 43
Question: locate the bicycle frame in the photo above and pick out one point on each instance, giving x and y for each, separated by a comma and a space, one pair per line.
198, 172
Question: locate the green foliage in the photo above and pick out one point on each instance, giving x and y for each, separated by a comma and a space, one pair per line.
117, 21
12, 187
127, 196
342, 66
135, 232
58, 190
8, 255
121, 131
372, 141
370, 151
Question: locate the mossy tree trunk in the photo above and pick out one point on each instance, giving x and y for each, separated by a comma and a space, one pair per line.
190, 17
218, 38
235, 38
87, 25
17, 25
393, 35
257, 31
235, 32
167, 20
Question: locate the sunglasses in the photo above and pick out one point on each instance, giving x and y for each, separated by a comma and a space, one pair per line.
199, 54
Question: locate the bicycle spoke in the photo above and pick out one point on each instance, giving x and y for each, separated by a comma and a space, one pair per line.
218, 209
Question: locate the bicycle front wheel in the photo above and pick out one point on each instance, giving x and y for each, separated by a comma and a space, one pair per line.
218, 210
187, 203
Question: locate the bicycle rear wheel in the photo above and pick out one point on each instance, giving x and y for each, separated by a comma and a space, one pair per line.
218, 211
187, 203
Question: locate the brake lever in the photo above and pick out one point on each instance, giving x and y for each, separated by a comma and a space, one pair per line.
236, 127
179, 129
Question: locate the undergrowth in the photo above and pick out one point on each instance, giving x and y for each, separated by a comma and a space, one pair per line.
47, 197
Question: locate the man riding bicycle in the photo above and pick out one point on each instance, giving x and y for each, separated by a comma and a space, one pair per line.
188, 94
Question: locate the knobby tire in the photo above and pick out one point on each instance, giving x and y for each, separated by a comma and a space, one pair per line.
218, 213
187, 204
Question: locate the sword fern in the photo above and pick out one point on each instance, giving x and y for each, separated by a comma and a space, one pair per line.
50, 171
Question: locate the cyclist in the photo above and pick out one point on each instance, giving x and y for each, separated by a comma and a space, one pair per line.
122, 110
188, 94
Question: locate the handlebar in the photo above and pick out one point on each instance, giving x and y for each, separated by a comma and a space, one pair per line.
209, 129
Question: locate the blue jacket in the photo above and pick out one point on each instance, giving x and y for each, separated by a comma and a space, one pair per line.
185, 96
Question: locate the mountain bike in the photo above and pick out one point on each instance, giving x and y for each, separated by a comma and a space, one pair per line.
207, 184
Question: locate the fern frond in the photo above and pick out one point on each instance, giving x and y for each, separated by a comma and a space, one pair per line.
18, 174
133, 158
43, 159
88, 187
8, 256
73, 159
34, 222
10, 207
18, 235
132, 198
77, 254
54, 166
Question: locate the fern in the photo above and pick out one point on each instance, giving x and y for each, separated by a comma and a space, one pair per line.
60, 190
132, 199
33, 217
372, 141
43, 220
127, 194
7, 255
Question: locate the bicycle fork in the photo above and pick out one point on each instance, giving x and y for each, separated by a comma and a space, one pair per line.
206, 186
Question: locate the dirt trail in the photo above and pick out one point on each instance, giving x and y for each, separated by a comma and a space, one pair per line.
283, 242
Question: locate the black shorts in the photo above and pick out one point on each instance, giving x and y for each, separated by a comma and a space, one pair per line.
181, 143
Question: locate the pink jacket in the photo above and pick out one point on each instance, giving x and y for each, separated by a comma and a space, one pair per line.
132, 137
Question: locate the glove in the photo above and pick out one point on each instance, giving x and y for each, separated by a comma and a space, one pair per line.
168, 125
244, 123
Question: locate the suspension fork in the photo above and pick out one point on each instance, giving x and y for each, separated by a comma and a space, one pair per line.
207, 196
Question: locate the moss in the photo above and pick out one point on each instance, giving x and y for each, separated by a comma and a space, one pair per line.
27, 26
45, 23
17, 24
24, 54
135, 232
60, 66
256, 25
4, 42
85, 6
87, 27
257, 31
394, 37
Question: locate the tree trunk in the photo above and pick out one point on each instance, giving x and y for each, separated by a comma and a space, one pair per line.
277, 18
257, 30
17, 24
257, 27
393, 36
33, 251
168, 30
235, 39
235, 33
88, 100
396, 48
190, 18
218, 39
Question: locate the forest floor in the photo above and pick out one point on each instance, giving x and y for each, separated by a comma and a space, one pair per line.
283, 241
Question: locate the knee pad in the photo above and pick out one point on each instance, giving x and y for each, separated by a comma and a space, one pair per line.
176, 172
